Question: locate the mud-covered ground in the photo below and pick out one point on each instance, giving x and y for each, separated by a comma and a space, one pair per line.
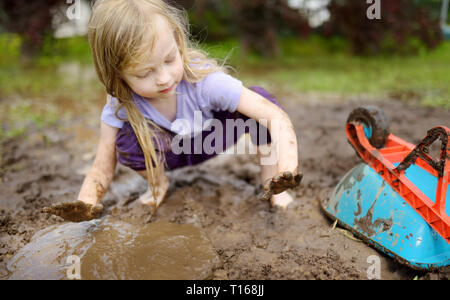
252, 240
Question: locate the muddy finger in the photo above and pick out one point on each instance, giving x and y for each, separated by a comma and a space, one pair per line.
283, 181
288, 176
265, 196
48, 210
96, 209
298, 178
267, 184
64, 207
276, 182
277, 178
55, 209
80, 206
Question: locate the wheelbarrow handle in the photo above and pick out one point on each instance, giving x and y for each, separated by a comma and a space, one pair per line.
421, 150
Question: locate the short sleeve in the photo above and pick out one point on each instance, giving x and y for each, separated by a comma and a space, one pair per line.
220, 91
109, 113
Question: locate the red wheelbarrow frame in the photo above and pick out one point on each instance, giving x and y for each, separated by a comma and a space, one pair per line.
397, 150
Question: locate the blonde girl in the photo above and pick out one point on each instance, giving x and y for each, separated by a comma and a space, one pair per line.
155, 77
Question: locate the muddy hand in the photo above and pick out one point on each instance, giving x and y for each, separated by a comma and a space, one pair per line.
77, 211
280, 183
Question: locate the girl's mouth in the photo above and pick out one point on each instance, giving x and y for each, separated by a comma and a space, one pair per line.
167, 90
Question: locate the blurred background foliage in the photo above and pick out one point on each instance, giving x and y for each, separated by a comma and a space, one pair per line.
405, 26
281, 44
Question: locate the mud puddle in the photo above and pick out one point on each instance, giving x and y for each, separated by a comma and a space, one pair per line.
252, 240
107, 249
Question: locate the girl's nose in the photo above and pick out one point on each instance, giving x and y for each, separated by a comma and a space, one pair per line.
163, 77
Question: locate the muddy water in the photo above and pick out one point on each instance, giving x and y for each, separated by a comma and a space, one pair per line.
109, 249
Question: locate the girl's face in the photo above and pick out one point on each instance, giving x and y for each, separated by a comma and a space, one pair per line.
161, 74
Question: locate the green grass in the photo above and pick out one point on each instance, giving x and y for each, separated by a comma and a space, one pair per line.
53, 86
317, 66
37, 97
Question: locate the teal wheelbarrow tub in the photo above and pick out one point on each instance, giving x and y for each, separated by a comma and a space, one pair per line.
396, 199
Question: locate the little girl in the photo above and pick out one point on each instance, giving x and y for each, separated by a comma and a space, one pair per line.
157, 83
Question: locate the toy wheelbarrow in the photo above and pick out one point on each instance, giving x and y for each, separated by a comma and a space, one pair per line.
396, 201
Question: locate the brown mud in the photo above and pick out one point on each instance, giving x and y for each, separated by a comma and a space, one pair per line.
219, 197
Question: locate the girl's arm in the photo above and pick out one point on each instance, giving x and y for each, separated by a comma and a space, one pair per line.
280, 127
95, 183
102, 172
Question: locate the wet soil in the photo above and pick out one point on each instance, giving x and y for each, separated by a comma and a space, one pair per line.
252, 240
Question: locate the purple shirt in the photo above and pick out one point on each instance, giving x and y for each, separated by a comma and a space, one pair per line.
217, 91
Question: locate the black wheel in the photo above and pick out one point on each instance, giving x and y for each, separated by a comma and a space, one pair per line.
375, 121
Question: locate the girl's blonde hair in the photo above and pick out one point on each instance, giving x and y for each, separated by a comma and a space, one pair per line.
118, 36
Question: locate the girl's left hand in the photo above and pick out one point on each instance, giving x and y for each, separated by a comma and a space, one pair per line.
77, 211
280, 183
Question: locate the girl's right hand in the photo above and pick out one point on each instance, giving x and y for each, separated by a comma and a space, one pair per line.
280, 183
77, 211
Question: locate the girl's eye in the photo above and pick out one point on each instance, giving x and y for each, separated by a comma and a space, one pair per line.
145, 75
170, 60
